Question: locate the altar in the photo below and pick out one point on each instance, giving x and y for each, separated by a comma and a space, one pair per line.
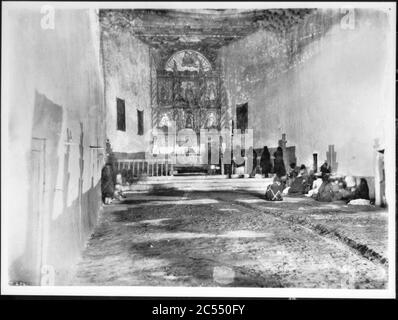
188, 100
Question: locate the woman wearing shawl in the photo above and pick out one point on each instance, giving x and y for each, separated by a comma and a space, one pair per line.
279, 165
274, 190
265, 162
254, 159
325, 192
362, 192
107, 183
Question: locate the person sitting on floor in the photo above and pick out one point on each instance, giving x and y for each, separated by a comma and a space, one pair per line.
335, 185
342, 193
293, 173
303, 171
274, 190
301, 183
316, 184
325, 192
362, 191
361, 194
310, 181
240, 167
298, 185
325, 168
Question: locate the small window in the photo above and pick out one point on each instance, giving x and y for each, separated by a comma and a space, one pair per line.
140, 120
242, 117
121, 115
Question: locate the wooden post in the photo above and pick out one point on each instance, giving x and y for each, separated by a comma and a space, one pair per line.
282, 143
315, 162
378, 173
331, 156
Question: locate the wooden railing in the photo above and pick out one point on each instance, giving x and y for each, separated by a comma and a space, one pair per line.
140, 167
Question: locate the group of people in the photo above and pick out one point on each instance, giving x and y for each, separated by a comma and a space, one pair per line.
277, 168
296, 181
321, 186
346, 189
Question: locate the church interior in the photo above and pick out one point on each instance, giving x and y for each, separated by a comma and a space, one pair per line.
144, 89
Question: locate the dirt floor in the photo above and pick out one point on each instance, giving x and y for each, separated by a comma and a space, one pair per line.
177, 237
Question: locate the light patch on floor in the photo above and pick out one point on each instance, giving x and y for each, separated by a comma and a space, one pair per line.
245, 234
147, 263
227, 209
254, 200
293, 200
132, 196
154, 222
162, 274
331, 206
195, 235
176, 235
123, 206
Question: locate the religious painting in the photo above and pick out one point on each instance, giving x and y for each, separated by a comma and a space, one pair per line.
211, 120
211, 92
179, 118
189, 120
188, 60
165, 120
189, 92
202, 92
165, 91
178, 92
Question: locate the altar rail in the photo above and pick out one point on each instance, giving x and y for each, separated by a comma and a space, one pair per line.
140, 167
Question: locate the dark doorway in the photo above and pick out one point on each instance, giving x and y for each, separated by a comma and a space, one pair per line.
242, 116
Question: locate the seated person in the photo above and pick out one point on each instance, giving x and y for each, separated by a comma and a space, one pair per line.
274, 190
316, 184
303, 171
298, 185
342, 193
325, 168
335, 185
240, 167
309, 181
301, 183
350, 182
362, 191
292, 173
325, 192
